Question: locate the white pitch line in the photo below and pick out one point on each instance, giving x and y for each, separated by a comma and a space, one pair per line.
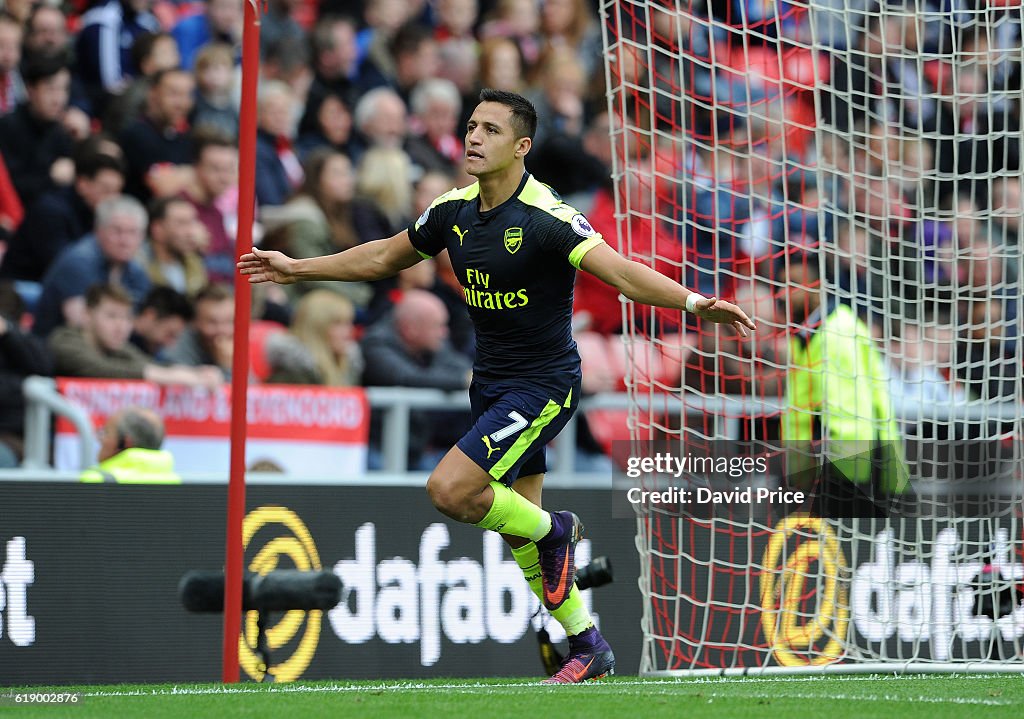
652, 687
850, 677
888, 698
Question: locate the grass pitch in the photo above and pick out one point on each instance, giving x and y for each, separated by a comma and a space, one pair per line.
850, 697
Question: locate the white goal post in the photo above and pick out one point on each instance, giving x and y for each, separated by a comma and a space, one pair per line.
808, 156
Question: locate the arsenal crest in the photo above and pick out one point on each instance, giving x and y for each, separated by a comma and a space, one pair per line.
513, 239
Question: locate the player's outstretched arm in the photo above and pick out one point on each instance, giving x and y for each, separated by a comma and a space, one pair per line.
649, 287
369, 261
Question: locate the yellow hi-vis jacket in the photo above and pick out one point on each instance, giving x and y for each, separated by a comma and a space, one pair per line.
837, 390
135, 466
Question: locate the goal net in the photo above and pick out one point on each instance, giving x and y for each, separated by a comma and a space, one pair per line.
848, 172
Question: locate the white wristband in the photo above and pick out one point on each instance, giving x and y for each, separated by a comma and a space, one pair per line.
691, 301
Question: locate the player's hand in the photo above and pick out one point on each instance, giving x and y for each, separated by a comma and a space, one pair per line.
723, 312
267, 266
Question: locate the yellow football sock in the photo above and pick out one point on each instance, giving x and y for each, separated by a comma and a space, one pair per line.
514, 514
527, 557
573, 614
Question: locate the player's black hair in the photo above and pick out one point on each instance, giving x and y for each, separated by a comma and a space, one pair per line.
524, 115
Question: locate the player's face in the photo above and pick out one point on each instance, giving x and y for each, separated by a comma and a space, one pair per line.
491, 142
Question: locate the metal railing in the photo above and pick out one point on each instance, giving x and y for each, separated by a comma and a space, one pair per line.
397, 403
42, 401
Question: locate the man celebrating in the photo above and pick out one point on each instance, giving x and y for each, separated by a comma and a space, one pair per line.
515, 248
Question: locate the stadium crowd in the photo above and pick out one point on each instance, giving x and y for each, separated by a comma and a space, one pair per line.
892, 153
119, 198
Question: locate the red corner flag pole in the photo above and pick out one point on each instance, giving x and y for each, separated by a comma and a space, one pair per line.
240, 360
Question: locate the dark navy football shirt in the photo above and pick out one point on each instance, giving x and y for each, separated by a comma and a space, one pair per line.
517, 265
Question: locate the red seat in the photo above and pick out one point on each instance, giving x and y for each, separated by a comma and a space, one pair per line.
607, 426
259, 331
638, 358
598, 372
615, 350
656, 364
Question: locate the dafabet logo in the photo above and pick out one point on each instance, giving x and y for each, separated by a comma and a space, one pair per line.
16, 577
282, 539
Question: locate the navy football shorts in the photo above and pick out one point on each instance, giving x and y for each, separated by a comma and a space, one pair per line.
513, 422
